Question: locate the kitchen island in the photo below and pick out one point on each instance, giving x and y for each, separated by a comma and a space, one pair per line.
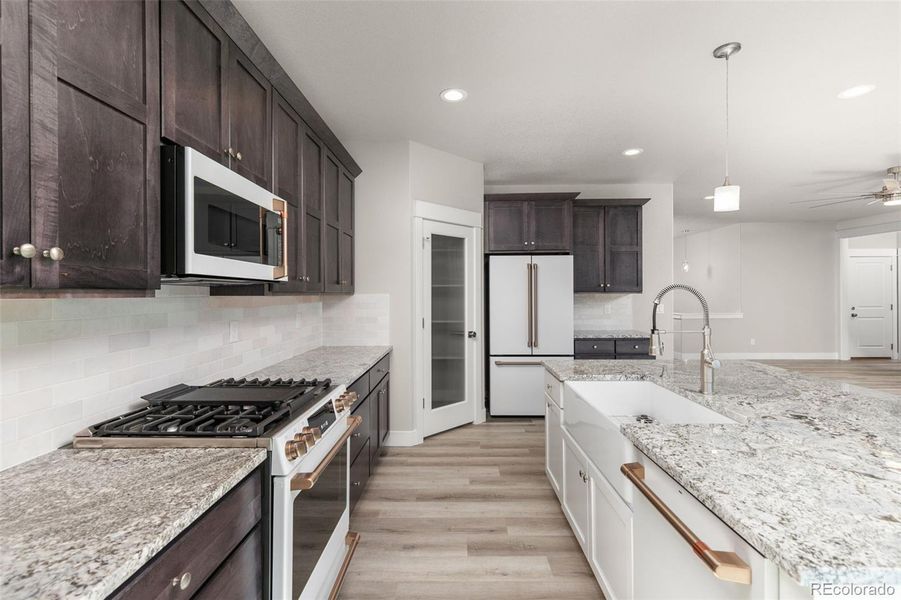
809, 474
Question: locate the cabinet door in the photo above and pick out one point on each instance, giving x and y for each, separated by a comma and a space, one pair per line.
553, 445
384, 411
576, 492
249, 98
194, 52
622, 248
332, 232
286, 183
506, 226
550, 225
611, 540
588, 249
346, 224
15, 198
311, 165
95, 143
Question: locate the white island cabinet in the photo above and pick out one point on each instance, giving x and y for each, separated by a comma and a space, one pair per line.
634, 551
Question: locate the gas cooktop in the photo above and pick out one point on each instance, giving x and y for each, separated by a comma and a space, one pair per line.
227, 408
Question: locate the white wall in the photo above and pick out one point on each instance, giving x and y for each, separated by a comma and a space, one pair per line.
878, 241
395, 176
69, 363
781, 278
590, 310
442, 178
357, 320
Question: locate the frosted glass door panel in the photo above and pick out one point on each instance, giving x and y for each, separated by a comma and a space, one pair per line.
448, 258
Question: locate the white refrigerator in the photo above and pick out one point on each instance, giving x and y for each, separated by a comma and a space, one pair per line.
530, 317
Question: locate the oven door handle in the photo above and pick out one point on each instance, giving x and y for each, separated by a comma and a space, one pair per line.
306, 481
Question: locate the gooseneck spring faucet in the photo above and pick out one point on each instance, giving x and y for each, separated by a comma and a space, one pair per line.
708, 362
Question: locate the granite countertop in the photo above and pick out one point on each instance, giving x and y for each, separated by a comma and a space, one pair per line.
810, 476
342, 364
600, 334
79, 523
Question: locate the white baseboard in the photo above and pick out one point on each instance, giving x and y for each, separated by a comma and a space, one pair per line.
763, 355
403, 438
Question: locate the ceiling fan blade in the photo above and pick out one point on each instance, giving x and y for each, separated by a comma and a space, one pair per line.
844, 199
844, 193
837, 202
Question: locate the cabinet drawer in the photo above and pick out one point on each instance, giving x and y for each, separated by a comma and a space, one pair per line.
360, 386
359, 437
240, 577
553, 388
359, 475
201, 548
634, 346
378, 372
595, 347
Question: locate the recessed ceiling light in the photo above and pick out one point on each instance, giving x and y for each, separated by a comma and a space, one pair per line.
856, 92
708, 197
453, 95
633, 151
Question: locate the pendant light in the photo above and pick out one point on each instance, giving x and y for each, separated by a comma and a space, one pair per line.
726, 196
685, 265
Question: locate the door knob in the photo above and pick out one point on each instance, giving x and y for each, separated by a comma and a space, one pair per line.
471, 335
54, 253
25, 250
853, 314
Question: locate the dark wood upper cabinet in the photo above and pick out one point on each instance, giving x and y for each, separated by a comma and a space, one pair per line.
338, 243
588, 249
531, 223
214, 98
607, 255
193, 57
311, 165
249, 102
551, 223
95, 144
286, 138
622, 248
15, 198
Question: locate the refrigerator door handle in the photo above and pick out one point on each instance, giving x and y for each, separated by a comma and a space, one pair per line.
535, 305
529, 311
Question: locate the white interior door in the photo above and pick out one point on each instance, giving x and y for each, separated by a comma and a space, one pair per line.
870, 298
449, 306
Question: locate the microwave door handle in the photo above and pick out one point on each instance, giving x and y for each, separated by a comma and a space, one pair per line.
306, 481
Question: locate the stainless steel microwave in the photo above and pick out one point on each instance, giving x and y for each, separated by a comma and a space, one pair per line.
217, 226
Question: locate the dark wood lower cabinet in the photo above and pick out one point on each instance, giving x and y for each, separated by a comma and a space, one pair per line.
368, 442
223, 550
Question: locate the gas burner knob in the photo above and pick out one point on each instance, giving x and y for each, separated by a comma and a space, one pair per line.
294, 449
305, 440
316, 432
339, 404
352, 398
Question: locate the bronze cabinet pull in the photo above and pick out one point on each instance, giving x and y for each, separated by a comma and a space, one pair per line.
306, 481
727, 566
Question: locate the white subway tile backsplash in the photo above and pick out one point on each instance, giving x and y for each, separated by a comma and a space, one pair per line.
68, 363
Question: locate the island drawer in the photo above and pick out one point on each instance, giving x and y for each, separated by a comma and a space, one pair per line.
553, 388
595, 347
633, 346
182, 568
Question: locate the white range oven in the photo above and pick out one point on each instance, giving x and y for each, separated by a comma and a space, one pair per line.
311, 541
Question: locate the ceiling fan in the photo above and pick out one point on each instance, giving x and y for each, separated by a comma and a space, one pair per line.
889, 195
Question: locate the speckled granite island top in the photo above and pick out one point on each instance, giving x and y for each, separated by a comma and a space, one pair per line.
342, 364
611, 334
79, 523
811, 475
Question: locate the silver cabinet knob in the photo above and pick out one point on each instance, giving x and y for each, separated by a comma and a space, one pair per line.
356, 484
230, 152
307, 278
182, 582
525, 243
54, 253
533, 243
343, 282
25, 250
238, 156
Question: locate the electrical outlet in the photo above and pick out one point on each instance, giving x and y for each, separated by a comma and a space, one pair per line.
232, 332
753, 342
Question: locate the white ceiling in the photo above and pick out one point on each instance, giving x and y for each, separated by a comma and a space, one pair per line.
558, 89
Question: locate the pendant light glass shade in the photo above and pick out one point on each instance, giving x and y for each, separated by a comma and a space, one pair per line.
726, 198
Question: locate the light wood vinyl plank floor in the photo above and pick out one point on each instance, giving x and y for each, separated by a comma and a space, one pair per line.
876, 373
470, 515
